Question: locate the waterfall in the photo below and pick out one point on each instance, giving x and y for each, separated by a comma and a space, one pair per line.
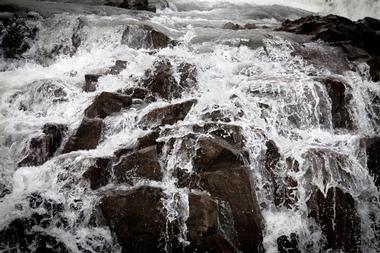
254, 138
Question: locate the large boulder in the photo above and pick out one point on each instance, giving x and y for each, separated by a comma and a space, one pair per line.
86, 137
233, 186
107, 103
363, 34
142, 164
222, 173
338, 218
144, 37
137, 219
206, 227
167, 115
43, 147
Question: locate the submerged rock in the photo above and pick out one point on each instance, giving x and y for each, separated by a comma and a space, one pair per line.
338, 218
144, 36
137, 219
167, 115
107, 103
43, 147
86, 137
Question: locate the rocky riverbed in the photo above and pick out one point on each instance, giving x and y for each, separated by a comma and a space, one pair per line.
153, 126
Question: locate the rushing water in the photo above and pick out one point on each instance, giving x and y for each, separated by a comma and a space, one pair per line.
263, 73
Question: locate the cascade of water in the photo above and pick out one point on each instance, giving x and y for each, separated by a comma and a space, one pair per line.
296, 149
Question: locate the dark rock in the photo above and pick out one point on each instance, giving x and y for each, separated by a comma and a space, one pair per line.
160, 80
148, 140
107, 103
135, 92
22, 233
17, 36
340, 99
250, 26
338, 218
130, 4
137, 219
167, 115
228, 132
91, 80
118, 67
43, 147
215, 152
87, 136
99, 174
373, 159
144, 36
288, 244
363, 34
233, 185
332, 58
188, 75
272, 157
204, 228
374, 65
19, 235
141, 164
231, 26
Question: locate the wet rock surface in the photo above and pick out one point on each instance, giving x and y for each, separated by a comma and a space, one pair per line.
160, 80
143, 164
107, 103
167, 115
373, 162
144, 37
338, 218
339, 31
17, 33
340, 102
130, 4
21, 235
205, 226
99, 174
43, 147
86, 137
136, 218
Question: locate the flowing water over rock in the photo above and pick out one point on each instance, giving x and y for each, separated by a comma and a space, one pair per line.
201, 127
